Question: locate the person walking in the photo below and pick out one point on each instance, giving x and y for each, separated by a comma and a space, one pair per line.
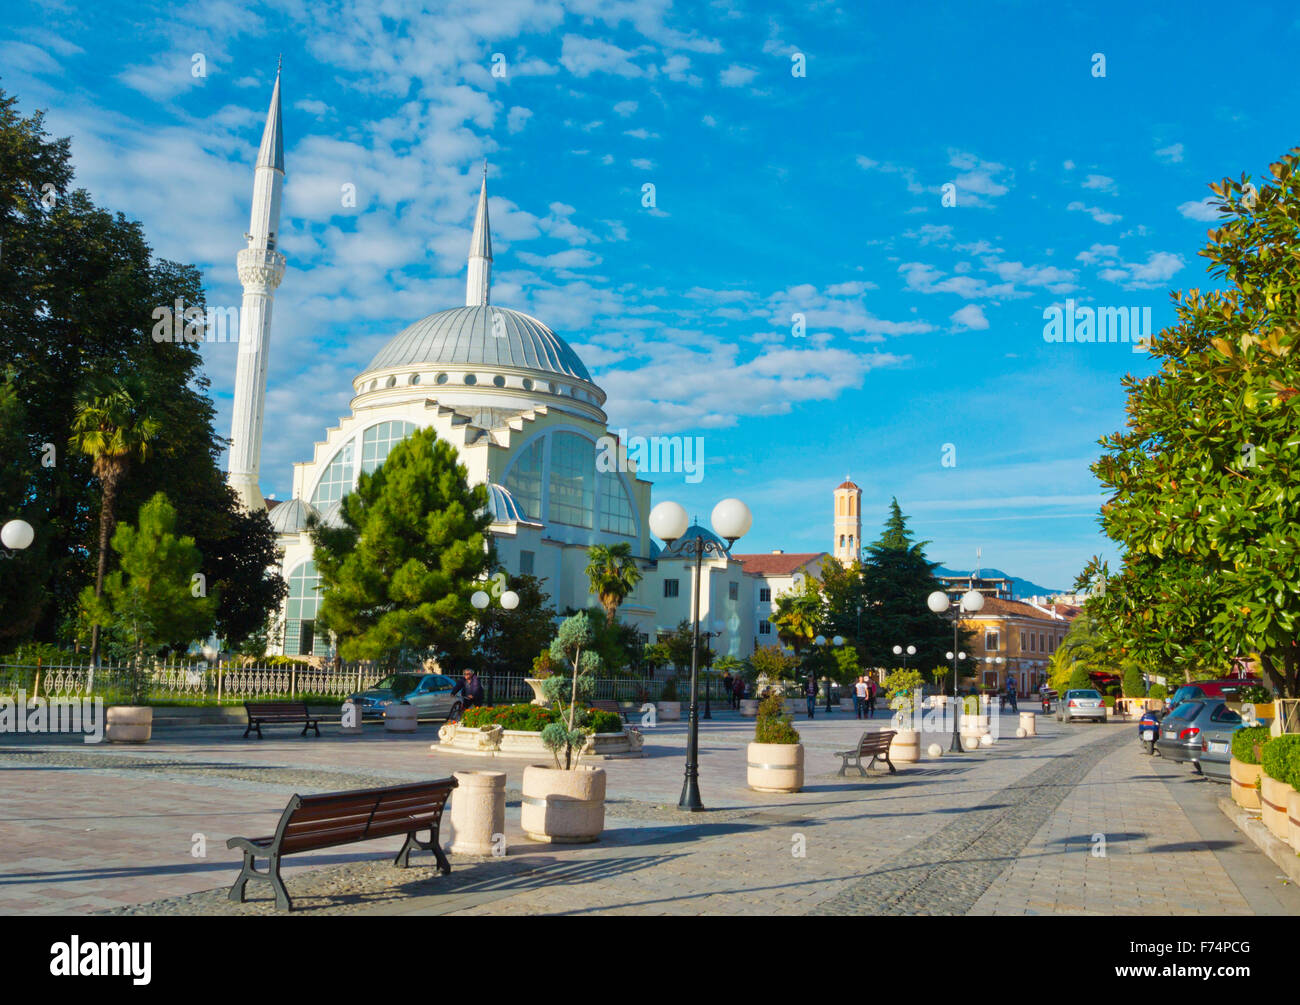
727, 684
810, 692
1011, 694
861, 692
737, 691
872, 690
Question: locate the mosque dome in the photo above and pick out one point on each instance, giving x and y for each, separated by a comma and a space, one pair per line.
290, 517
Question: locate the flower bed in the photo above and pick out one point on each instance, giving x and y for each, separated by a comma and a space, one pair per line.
533, 718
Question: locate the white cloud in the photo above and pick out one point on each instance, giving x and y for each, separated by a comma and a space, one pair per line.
1171, 154
312, 107
1096, 212
517, 118
625, 108
1099, 182
736, 75
1206, 210
969, 318
1157, 270
584, 56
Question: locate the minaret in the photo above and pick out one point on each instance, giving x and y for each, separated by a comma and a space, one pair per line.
478, 283
261, 268
848, 523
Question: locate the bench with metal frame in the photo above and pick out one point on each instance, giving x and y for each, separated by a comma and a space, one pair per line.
873, 743
613, 706
275, 712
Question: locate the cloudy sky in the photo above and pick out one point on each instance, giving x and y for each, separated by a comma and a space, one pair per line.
775, 194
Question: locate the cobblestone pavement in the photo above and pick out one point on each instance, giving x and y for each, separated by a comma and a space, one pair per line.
1005, 830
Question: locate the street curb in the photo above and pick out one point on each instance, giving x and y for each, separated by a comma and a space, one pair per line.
1250, 824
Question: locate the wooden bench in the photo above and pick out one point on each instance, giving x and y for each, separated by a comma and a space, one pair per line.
337, 818
875, 744
613, 706
272, 712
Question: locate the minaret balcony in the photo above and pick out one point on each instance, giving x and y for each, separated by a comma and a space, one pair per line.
260, 267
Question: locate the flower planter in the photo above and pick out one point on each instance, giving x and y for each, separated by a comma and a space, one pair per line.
129, 724
1272, 805
1244, 777
497, 742
905, 748
749, 708
478, 811
400, 718
563, 807
668, 711
538, 698
775, 767
1293, 818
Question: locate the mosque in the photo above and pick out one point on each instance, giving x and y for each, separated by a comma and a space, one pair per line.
525, 416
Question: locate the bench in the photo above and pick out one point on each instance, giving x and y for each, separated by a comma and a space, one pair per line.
271, 712
337, 818
613, 706
876, 744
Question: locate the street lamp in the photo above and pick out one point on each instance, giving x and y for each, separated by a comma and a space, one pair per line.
731, 519
971, 601
899, 651
820, 641
716, 628
480, 600
16, 536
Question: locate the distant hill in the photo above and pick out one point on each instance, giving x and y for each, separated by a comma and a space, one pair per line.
1020, 588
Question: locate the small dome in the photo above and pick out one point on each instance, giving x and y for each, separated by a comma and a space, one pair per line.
330, 515
291, 517
504, 507
692, 532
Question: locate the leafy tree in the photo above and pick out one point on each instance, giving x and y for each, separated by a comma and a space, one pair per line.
508, 637
150, 600
240, 563
399, 572
1204, 478
19, 602
771, 662
1084, 650
572, 645
799, 615
613, 573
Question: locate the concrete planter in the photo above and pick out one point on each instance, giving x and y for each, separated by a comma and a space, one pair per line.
1293, 818
497, 742
538, 698
1272, 804
668, 711
1244, 777
478, 811
1029, 723
129, 724
563, 807
775, 767
400, 718
749, 708
905, 748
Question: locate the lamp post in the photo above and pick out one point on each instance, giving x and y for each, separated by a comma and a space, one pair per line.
16, 536
820, 641
731, 519
480, 600
971, 601
715, 629
900, 651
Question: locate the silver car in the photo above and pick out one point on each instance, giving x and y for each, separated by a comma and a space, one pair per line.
429, 693
1083, 703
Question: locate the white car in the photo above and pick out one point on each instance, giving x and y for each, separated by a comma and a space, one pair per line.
1080, 704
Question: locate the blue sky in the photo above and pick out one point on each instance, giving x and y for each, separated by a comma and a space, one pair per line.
775, 194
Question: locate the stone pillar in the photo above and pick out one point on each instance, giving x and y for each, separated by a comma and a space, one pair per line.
478, 811
1029, 723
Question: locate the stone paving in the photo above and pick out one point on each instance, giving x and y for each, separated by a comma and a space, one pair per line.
1007, 830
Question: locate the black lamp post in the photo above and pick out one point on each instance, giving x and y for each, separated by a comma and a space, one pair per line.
480, 600
971, 601
668, 522
820, 641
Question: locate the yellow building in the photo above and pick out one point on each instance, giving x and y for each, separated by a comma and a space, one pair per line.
1023, 635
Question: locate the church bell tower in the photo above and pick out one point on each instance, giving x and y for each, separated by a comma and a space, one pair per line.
848, 523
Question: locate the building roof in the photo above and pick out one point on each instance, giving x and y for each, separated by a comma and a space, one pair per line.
480, 242
504, 508
846, 484
998, 608
291, 516
481, 336
778, 564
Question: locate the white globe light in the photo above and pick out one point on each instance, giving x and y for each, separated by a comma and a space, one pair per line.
911, 650
947, 655
510, 600
838, 640
898, 650
479, 600
820, 640
668, 521
716, 626
731, 519
972, 601
17, 534
961, 656
937, 601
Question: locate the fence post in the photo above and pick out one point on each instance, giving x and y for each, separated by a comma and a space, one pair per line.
293, 680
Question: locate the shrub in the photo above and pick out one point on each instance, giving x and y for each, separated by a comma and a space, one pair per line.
1158, 691
1247, 742
1131, 682
1255, 693
772, 725
1079, 679
604, 722
669, 693
1280, 759
1109, 701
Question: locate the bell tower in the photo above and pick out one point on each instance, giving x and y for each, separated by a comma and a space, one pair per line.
848, 523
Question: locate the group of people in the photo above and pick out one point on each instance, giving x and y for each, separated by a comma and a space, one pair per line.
734, 687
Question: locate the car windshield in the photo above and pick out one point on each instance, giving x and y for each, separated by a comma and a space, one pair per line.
398, 683
1185, 693
1084, 694
1187, 710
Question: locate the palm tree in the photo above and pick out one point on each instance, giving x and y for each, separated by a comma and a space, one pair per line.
613, 574
798, 616
112, 425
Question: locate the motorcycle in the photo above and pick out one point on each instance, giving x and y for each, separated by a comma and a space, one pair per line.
1149, 730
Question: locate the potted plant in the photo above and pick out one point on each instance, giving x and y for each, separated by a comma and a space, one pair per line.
564, 802
543, 667
1244, 766
1279, 761
668, 708
902, 690
775, 758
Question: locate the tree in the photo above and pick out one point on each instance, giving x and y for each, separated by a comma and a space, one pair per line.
772, 663
799, 615
1204, 479
613, 574
149, 601
240, 564
113, 426
572, 645
510, 637
1083, 651
398, 574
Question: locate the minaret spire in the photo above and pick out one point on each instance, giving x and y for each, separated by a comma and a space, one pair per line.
478, 281
261, 267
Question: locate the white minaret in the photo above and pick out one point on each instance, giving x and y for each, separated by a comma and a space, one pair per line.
261, 268
478, 283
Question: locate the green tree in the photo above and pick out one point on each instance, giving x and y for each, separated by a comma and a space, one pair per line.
509, 637
1084, 650
799, 615
613, 574
398, 574
573, 646
1205, 487
150, 600
771, 662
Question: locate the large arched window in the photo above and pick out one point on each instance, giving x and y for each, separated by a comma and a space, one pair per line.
300, 635
336, 482
524, 481
573, 480
378, 440
616, 513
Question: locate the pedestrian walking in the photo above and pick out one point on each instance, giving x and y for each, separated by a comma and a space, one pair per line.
810, 692
1011, 693
861, 693
737, 691
872, 690
727, 684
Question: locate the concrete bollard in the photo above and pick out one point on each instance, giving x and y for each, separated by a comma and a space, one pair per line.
478, 811
1029, 723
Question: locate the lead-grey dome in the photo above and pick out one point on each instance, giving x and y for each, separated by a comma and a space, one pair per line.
488, 336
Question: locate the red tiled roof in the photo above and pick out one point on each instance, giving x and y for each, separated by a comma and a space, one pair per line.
272, 503
998, 607
785, 564
846, 485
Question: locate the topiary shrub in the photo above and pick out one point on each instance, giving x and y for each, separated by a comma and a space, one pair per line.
1131, 681
1280, 759
1158, 691
1246, 744
599, 721
772, 725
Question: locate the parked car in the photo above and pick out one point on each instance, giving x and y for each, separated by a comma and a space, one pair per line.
1226, 688
430, 693
1199, 732
1081, 703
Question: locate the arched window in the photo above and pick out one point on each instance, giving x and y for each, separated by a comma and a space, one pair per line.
616, 513
300, 635
378, 440
524, 481
573, 480
841, 540
336, 482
